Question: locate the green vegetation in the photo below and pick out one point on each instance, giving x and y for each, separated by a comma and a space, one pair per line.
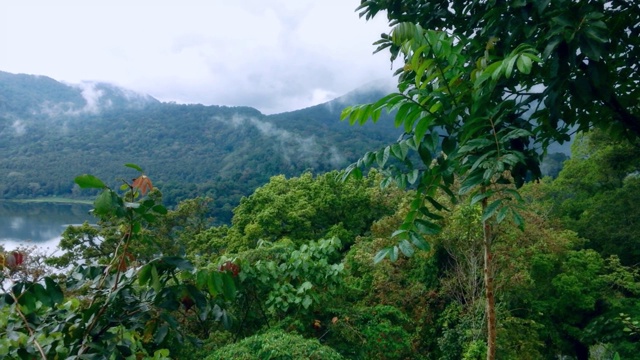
484, 88
169, 286
487, 259
276, 345
212, 151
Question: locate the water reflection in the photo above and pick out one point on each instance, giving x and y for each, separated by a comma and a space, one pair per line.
39, 224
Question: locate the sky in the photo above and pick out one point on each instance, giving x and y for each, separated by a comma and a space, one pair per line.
273, 55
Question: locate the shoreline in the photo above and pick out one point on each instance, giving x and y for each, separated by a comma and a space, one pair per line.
57, 200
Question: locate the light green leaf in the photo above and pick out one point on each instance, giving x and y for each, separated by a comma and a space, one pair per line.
133, 166
382, 254
89, 181
524, 64
406, 248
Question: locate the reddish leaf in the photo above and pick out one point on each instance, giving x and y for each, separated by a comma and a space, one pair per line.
143, 183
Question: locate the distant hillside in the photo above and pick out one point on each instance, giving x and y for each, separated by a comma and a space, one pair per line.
51, 132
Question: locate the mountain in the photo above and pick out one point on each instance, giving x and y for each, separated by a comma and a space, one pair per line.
50, 132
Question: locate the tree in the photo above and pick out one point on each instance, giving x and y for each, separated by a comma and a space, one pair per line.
306, 208
474, 104
111, 306
597, 194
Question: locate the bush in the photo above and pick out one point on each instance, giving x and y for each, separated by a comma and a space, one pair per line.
276, 345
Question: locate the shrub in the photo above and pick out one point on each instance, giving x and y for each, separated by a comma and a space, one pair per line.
276, 345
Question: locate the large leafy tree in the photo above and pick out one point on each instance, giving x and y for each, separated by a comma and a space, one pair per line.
596, 194
484, 87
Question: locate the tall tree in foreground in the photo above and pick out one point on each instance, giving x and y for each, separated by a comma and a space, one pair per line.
474, 104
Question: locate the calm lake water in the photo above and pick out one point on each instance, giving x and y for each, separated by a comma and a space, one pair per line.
40, 224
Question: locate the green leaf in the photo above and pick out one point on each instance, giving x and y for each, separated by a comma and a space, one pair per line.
89, 181
436, 204
382, 156
406, 248
419, 241
399, 232
397, 152
105, 203
427, 227
177, 262
402, 112
524, 64
491, 209
382, 254
229, 286
509, 68
307, 302
202, 279
470, 182
448, 145
133, 166
477, 197
215, 283
161, 334
144, 275
422, 127
54, 291
155, 279
413, 176
517, 218
502, 214
394, 254
159, 209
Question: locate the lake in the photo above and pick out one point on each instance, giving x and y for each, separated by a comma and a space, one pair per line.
40, 224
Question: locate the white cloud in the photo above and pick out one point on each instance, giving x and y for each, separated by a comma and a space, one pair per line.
275, 55
291, 147
19, 127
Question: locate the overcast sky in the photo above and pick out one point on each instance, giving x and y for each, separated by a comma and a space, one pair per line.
274, 55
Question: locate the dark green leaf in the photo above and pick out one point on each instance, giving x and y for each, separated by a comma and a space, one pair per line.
491, 209
144, 275
427, 227
161, 334
159, 209
229, 286
54, 291
215, 283
177, 262
419, 241
517, 218
502, 214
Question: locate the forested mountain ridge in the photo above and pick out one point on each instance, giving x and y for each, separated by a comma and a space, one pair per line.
51, 132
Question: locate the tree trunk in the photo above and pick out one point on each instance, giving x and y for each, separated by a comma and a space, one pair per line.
488, 287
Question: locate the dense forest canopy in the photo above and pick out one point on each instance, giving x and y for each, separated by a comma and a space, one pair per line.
52, 132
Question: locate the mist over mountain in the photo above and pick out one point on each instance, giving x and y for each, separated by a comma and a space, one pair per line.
50, 132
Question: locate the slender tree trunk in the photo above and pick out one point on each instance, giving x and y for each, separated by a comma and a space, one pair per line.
489, 288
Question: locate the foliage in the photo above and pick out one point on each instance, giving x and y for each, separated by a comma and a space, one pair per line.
301, 209
587, 77
215, 151
276, 345
282, 280
478, 97
596, 194
111, 308
381, 332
